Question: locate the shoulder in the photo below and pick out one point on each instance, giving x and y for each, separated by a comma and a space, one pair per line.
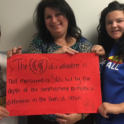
37, 46
84, 41
84, 45
3, 59
37, 41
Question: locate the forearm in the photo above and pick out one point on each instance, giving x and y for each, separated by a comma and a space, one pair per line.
82, 116
121, 107
3, 64
3, 60
79, 117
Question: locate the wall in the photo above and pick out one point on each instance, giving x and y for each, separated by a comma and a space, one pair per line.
16, 20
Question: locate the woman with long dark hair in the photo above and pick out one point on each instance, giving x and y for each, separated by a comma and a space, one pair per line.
111, 37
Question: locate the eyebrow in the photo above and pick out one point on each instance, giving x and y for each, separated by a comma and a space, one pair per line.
46, 14
116, 19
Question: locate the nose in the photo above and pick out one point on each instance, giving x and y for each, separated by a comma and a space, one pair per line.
54, 19
114, 24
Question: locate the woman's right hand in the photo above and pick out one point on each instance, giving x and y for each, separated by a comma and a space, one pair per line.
98, 49
3, 112
14, 51
108, 108
66, 49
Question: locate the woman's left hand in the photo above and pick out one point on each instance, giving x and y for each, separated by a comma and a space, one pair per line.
68, 118
98, 49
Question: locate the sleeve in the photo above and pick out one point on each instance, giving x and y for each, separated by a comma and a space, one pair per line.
85, 45
3, 63
35, 46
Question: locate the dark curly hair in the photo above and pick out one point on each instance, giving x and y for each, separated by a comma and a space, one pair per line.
103, 38
65, 9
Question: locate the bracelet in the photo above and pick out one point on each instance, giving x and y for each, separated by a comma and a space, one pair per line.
83, 116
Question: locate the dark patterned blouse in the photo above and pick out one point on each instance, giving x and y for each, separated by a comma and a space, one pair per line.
2, 90
38, 46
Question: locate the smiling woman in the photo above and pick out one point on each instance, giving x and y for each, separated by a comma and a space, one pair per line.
57, 33
111, 37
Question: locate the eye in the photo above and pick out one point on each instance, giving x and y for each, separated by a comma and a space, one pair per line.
47, 17
58, 14
108, 23
120, 21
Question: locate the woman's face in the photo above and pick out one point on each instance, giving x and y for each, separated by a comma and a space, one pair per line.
115, 24
56, 22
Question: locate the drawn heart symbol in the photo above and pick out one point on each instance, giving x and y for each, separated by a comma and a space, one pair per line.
88, 104
38, 66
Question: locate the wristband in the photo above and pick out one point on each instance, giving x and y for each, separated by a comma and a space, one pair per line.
83, 116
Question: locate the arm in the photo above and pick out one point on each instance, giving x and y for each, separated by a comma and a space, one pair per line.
3, 63
121, 107
3, 59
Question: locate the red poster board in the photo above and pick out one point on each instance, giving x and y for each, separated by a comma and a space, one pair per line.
53, 83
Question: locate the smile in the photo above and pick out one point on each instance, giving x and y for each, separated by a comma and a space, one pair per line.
116, 31
55, 26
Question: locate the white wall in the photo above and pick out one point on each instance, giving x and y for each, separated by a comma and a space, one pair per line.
17, 23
